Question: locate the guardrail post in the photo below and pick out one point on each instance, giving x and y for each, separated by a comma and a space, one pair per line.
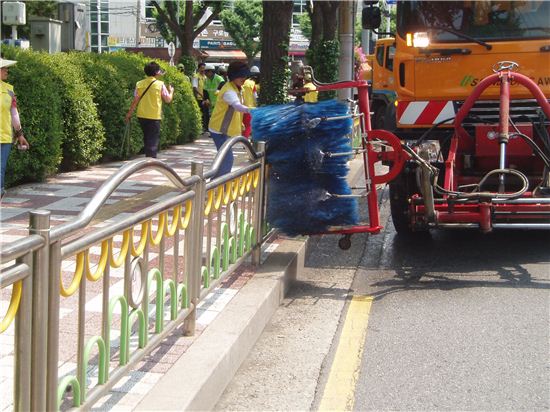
194, 252
259, 207
22, 345
40, 225
53, 324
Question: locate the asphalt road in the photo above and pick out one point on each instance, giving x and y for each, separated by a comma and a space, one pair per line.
460, 321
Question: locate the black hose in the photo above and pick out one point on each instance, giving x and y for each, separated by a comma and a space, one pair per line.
431, 129
542, 131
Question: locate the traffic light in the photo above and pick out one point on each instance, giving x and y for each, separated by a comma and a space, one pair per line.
371, 17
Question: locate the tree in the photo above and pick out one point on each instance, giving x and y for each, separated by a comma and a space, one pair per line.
387, 10
186, 27
275, 39
244, 25
305, 25
324, 47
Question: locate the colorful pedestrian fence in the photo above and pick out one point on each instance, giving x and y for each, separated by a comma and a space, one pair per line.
167, 256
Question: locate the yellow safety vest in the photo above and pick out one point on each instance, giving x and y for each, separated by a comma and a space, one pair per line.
200, 87
310, 97
248, 93
6, 98
150, 105
225, 119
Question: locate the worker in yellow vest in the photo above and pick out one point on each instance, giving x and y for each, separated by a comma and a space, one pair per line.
148, 97
227, 118
250, 95
311, 94
201, 95
10, 124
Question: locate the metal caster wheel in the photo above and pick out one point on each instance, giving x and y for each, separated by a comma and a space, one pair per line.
345, 242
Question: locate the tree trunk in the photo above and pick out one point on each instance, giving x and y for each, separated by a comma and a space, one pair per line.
275, 39
316, 17
330, 19
186, 38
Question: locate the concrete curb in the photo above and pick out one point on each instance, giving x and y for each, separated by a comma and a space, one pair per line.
199, 377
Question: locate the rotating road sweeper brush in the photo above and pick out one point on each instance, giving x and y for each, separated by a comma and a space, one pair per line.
308, 147
306, 181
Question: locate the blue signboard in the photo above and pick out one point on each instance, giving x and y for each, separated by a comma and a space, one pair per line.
217, 44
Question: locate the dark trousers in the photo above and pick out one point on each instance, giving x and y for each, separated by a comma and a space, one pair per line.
227, 162
151, 136
205, 112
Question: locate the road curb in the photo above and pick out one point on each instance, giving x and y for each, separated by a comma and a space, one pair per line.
201, 374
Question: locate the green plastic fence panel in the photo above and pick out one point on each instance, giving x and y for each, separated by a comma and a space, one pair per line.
102, 377
183, 296
214, 264
123, 331
225, 246
159, 308
169, 285
142, 327
204, 275
240, 235
62, 387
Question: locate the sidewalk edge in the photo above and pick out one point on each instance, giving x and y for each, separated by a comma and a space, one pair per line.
199, 377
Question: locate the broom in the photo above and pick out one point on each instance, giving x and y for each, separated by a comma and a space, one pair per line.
304, 179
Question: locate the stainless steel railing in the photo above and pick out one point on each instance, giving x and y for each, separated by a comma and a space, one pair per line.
167, 255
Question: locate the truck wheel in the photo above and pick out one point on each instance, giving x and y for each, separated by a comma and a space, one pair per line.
378, 118
399, 206
401, 189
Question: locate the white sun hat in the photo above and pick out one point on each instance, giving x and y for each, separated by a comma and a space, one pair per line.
6, 63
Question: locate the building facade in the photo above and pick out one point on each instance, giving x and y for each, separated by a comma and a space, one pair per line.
119, 24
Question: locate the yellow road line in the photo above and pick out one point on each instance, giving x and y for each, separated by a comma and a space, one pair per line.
339, 393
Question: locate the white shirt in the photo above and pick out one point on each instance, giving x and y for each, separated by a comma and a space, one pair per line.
232, 99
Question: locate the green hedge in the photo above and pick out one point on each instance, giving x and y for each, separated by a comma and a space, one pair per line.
83, 133
72, 108
109, 93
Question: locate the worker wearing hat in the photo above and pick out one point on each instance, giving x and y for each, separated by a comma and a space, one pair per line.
227, 118
198, 90
250, 95
211, 83
10, 124
181, 69
149, 95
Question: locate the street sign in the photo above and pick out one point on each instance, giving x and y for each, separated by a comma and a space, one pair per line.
171, 52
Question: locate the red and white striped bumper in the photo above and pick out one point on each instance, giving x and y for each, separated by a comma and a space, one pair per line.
424, 113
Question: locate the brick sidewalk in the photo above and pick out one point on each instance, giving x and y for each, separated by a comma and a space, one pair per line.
66, 194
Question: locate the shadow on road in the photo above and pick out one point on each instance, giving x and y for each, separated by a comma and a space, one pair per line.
450, 260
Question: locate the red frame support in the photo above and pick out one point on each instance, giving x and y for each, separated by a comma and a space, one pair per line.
369, 154
484, 213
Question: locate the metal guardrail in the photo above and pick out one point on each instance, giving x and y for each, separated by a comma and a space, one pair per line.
203, 231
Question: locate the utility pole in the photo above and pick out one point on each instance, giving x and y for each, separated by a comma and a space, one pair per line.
138, 22
345, 25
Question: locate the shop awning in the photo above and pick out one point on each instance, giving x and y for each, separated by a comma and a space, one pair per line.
225, 54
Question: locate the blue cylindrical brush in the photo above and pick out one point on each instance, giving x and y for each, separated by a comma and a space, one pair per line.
304, 178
